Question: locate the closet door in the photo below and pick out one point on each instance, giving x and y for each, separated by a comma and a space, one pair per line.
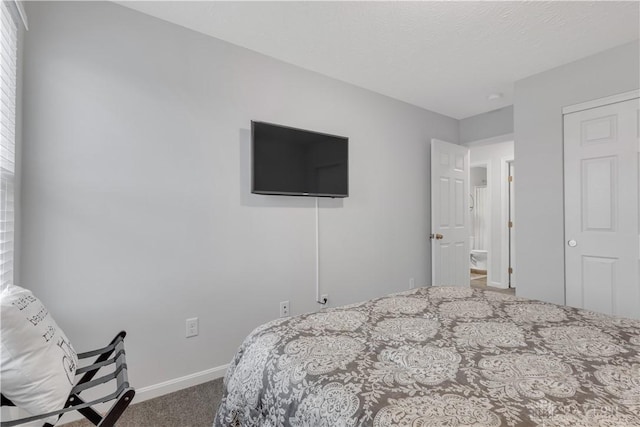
601, 158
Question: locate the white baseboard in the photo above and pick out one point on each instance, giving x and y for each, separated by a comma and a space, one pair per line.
166, 387
160, 389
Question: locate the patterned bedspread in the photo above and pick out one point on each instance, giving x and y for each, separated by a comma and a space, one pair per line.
439, 356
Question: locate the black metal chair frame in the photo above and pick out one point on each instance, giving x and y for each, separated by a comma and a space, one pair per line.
123, 395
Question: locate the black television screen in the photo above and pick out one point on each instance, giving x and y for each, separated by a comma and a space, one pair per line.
298, 162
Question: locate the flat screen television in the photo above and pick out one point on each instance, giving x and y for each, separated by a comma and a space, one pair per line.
296, 162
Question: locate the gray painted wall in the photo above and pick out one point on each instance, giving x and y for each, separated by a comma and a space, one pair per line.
137, 212
487, 125
539, 159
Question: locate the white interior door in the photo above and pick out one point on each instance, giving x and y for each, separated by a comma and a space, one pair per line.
601, 155
449, 214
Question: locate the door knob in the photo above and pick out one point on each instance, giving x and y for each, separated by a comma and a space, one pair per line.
436, 236
572, 243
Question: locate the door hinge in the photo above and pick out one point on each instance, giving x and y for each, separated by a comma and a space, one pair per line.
510, 270
510, 224
510, 179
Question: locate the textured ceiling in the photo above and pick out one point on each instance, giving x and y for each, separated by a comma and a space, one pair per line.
443, 56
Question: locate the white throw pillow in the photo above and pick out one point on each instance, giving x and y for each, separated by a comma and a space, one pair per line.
38, 364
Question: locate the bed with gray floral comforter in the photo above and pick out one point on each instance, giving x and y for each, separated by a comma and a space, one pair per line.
438, 356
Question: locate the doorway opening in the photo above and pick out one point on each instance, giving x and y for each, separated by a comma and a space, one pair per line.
479, 221
492, 216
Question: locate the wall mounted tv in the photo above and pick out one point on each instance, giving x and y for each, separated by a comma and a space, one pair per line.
296, 162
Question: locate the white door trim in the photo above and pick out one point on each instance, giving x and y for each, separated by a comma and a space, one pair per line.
504, 221
507, 137
613, 99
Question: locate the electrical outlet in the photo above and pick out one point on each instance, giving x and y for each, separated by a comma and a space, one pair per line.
192, 327
324, 298
412, 283
284, 308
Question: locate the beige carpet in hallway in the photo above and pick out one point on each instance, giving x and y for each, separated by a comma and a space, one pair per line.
480, 282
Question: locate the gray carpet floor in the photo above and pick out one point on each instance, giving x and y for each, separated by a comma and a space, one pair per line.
192, 407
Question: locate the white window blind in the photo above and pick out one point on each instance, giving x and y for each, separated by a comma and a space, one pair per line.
8, 60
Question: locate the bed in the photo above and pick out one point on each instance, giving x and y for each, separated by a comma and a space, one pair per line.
437, 356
